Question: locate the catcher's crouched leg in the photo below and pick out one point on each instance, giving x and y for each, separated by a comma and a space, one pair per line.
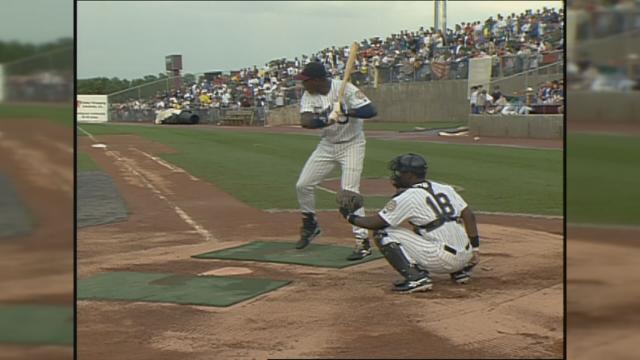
414, 278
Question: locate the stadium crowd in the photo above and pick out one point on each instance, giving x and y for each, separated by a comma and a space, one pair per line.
517, 42
603, 20
548, 98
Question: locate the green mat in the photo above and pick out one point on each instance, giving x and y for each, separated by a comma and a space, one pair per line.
36, 324
171, 288
332, 256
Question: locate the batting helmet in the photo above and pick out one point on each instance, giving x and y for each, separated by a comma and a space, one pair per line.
409, 163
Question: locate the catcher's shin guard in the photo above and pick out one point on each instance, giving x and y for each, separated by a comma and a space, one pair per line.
394, 255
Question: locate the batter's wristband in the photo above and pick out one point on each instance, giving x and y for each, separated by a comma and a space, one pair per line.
351, 218
475, 241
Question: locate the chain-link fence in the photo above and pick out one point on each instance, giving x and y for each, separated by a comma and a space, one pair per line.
43, 77
209, 98
146, 92
214, 116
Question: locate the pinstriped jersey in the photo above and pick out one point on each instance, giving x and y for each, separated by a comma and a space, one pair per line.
317, 103
426, 202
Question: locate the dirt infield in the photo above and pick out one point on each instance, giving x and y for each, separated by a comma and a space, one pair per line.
603, 128
512, 308
602, 313
37, 268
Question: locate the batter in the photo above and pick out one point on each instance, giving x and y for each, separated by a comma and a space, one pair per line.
342, 143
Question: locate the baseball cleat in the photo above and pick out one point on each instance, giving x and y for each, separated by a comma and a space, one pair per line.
411, 286
460, 277
309, 231
361, 251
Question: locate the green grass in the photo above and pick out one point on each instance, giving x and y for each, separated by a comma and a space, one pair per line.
36, 324
262, 169
602, 179
58, 114
85, 162
399, 126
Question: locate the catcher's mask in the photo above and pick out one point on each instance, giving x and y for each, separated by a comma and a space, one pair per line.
407, 163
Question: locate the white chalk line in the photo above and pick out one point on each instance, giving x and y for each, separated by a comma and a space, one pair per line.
167, 165
181, 213
327, 190
88, 134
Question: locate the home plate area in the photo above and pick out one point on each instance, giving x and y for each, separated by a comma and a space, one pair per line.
219, 287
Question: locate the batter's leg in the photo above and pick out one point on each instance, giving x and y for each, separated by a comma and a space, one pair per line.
351, 158
317, 168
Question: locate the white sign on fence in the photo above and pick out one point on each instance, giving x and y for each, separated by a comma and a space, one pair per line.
92, 108
479, 73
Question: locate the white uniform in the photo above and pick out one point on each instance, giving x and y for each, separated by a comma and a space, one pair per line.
445, 249
340, 144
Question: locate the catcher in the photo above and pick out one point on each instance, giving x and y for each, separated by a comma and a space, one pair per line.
439, 242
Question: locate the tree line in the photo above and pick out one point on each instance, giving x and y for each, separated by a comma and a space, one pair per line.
105, 85
15, 50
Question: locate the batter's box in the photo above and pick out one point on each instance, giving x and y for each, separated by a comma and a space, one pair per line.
332, 256
171, 288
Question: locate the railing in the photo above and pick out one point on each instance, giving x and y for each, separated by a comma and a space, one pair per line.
456, 70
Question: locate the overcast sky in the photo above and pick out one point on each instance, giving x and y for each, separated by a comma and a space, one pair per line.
130, 39
35, 21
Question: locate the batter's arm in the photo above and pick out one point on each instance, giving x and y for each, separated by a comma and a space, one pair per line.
306, 119
366, 111
310, 120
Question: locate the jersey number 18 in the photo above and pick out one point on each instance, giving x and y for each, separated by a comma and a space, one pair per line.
442, 206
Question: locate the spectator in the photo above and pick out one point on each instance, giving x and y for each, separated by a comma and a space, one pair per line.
496, 94
474, 99
481, 101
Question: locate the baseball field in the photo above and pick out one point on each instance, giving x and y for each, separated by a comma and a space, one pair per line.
185, 249
602, 235
36, 237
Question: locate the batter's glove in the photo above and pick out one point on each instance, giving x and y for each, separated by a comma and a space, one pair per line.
339, 113
348, 202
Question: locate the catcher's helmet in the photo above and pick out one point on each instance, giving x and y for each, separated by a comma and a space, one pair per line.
409, 163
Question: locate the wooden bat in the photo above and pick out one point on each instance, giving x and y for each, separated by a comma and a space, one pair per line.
353, 52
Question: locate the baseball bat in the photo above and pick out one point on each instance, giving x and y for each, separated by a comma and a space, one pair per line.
353, 52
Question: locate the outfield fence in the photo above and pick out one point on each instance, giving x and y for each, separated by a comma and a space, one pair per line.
44, 77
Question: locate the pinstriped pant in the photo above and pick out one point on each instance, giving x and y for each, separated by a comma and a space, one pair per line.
350, 157
429, 254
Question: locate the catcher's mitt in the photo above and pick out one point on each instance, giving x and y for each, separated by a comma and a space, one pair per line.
349, 201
